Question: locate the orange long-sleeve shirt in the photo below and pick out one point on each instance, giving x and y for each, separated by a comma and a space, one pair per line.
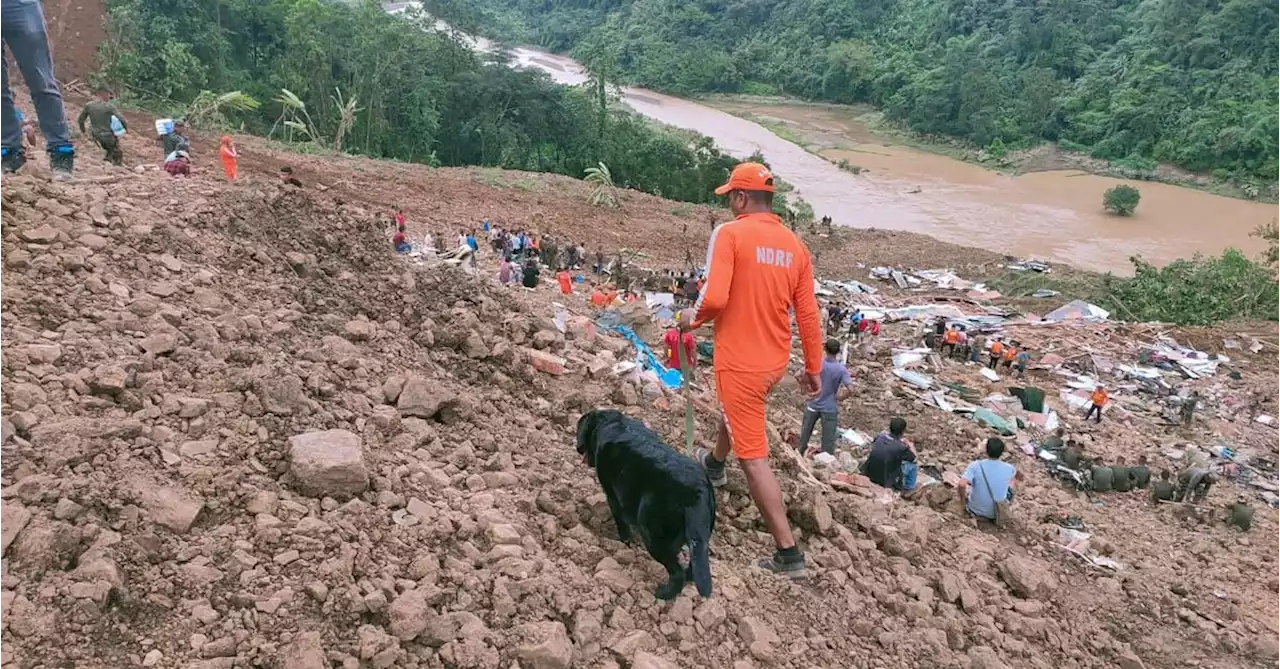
757, 272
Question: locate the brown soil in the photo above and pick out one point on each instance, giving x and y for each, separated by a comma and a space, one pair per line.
167, 339
75, 31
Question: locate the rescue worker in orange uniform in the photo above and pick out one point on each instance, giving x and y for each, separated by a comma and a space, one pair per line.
997, 348
949, 340
1098, 399
757, 272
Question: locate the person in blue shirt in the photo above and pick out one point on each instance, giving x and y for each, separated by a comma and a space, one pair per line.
988, 480
471, 241
836, 385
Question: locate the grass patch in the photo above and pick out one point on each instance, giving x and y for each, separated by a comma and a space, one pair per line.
529, 184
492, 177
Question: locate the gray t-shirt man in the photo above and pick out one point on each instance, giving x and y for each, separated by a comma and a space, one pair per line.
835, 383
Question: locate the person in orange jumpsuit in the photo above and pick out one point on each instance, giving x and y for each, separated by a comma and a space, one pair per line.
227, 152
757, 273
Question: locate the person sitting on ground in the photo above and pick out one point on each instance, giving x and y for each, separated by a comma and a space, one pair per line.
600, 297
1120, 476
892, 461
836, 385
400, 241
1072, 454
1102, 476
286, 177
529, 276
178, 164
99, 113
1097, 400
988, 480
1193, 484
673, 340
1163, 490
1140, 474
176, 140
1054, 440
1240, 514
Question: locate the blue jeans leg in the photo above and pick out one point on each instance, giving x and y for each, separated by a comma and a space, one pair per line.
22, 27
910, 470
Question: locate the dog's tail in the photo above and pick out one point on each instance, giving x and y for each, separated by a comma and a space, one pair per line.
698, 521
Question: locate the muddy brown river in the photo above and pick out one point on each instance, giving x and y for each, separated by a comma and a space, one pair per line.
1054, 216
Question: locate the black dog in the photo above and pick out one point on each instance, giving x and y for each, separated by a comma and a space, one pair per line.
661, 494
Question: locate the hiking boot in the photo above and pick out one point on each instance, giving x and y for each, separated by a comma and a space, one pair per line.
63, 161
12, 160
789, 564
715, 468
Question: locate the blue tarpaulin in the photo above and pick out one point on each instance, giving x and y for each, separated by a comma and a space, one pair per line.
670, 378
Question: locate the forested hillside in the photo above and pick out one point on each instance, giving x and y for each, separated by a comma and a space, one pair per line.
372, 85
1187, 82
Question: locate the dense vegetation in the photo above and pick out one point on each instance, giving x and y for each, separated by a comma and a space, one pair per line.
419, 95
1188, 82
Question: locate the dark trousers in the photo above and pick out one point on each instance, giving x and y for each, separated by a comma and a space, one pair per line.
1095, 408
111, 144
828, 430
993, 362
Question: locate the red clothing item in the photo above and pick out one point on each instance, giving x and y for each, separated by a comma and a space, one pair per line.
672, 340
399, 220
566, 282
398, 239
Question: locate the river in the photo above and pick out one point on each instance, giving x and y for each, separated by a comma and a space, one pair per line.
1053, 216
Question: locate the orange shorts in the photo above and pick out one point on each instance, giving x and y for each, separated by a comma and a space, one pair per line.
742, 399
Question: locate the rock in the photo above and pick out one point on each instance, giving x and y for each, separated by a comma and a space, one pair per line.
44, 354
626, 394
328, 463
1027, 577
66, 509
1028, 607
195, 449
13, 518
473, 346
152, 658
109, 380
710, 614
408, 615
283, 395
168, 506
424, 399
359, 330
546, 645
633, 642
42, 234
160, 343
1129, 660
644, 660
949, 587
546, 363
985, 657
754, 630
503, 534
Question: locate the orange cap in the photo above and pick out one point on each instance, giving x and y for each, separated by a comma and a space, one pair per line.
748, 176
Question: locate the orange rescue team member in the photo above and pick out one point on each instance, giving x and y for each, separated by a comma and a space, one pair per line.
997, 347
1098, 398
757, 271
227, 152
565, 281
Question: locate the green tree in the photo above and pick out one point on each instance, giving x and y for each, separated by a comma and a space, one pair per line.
1121, 200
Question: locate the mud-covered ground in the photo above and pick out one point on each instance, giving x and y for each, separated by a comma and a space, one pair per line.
167, 342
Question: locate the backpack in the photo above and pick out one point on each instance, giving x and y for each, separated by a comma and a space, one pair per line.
1004, 514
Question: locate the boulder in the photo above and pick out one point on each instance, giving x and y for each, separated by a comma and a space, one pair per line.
1027, 577
13, 517
424, 398
546, 645
168, 506
328, 463
408, 615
